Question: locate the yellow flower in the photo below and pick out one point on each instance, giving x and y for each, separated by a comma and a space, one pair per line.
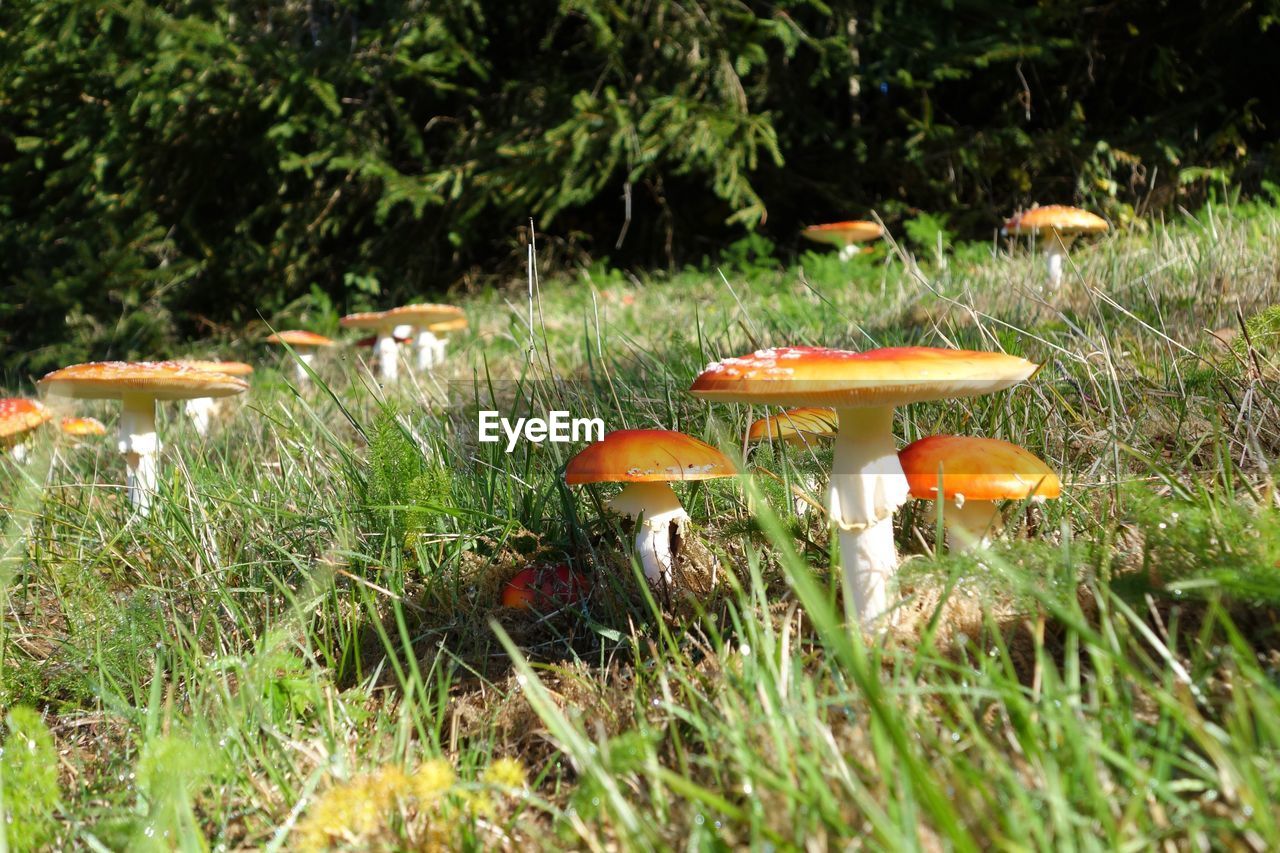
506, 773
432, 780
353, 809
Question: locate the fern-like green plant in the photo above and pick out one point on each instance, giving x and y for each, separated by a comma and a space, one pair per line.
29, 794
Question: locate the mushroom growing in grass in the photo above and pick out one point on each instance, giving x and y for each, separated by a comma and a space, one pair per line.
973, 474
544, 588
648, 461
304, 345
799, 428
442, 331
1056, 226
17, 418
138, 385
382, 324
844, 235
867, 481
201, 409
421, 318
82, 427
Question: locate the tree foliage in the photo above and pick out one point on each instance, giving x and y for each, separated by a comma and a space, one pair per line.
168, 168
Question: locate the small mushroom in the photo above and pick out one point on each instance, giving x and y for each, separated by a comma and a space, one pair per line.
544, 588
442, 331
971, 474
202, 409
421, 318
867, 482
845, 235
304, 344
82, 427
138, 385
798, 428
17, 418
382, 324
1056, 226
648, 460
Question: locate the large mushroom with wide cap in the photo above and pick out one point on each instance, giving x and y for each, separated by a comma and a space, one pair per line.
867, 481
304, 344
138, 385
799, 428
18, 417
382, 324
970, 475
1055, 226
648, 461
420, 318
202, 409
844, 235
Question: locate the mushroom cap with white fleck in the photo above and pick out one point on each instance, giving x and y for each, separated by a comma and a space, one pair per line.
980, 469
160, 380
18, 415
647, 456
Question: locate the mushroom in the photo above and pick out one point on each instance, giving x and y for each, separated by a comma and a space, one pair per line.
544, 587
382, 324
202, 409
442, 330
17, 418
421, 318
304, 344
648, 460
974, 473
82, 427
867, 482
845, 235
1056, 226
138, 385
798, 428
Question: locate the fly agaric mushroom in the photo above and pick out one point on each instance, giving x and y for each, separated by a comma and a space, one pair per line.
543, 587
82, 427
442, 331
974, 473
382, 324
1056, 226
202, 409
138, 385
797, 428
845, 235
421, 318
304, 344
867, 482
648, 460
17, 418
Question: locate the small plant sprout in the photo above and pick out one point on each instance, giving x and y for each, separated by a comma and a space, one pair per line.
202, 409
867, 481
138, 385
1055, 226
304, 345
17, 418
970, 475
798, 428
844, 235
421, 318
383, 325
648, 461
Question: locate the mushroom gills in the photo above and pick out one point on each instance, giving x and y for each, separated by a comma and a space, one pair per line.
867, 487
139, 444
657, 509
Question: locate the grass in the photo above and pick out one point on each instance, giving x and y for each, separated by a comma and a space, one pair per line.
302, 646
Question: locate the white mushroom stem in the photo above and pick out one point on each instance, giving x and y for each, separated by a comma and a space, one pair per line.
441, 343
427, 347
139, 444
970, 525
388, 358
847, 251
867, 486
1055, 255
18, 453
300, 366
657, 508
200, 410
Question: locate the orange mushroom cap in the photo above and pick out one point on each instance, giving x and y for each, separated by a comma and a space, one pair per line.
83, 426
1055, 217
893, 376
227, 368
981, 469
299, 338
161, 380
844, 233
425, 313
18, 415
647, 456
445, 326
795, 425
369, 320
543, 585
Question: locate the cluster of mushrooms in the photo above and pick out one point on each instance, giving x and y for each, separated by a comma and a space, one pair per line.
140, 385
849, 397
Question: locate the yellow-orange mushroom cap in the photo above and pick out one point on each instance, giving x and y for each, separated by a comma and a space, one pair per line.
647, 456
158, 380
83, 426
227, 368
795, 425
299, 338
980, 469
1058, 218
18, 415
425, 313
844, 233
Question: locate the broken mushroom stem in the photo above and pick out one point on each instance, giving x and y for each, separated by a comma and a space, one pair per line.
656, 508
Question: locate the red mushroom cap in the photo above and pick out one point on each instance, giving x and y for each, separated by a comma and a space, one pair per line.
299, 338
18, 416
844, 233
1055, 217
981, 469
647, 456
544, 585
